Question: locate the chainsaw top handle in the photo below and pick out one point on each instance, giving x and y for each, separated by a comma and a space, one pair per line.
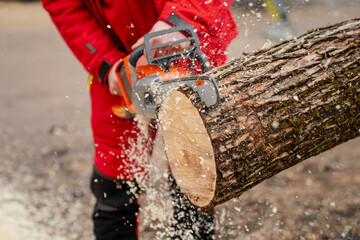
192, 53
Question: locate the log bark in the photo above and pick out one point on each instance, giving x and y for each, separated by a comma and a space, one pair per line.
279, 106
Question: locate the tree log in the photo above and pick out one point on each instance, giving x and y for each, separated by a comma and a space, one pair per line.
279, 106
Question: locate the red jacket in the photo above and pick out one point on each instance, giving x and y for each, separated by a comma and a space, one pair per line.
99, 32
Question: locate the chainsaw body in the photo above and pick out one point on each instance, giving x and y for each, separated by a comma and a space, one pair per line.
145, 87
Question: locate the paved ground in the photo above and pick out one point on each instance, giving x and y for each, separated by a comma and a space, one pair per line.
45, 143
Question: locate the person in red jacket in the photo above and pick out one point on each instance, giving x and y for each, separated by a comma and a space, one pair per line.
100, 33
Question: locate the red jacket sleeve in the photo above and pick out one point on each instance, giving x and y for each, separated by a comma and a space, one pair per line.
90, 44
212, 19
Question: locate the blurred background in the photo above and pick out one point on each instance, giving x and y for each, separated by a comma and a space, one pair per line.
46, 143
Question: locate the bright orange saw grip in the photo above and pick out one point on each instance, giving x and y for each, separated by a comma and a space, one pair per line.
127, 69
121, 84
130, 106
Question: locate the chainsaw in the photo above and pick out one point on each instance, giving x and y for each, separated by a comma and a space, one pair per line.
145, 87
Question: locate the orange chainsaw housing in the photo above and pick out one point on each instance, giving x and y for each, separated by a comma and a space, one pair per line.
142, 71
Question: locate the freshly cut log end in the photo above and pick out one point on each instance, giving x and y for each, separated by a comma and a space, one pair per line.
188, 148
